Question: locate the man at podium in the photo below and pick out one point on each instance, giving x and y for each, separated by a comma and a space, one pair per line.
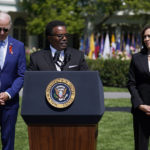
65, 117
57, 56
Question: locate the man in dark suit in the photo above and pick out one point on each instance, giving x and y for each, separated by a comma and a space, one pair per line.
57, 56
12, 68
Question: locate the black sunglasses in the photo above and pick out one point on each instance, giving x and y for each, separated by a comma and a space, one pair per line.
4, 29
61, 36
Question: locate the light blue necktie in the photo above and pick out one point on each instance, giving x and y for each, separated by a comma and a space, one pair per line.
2, 44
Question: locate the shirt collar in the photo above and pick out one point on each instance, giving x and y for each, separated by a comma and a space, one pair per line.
53, 50
5, 41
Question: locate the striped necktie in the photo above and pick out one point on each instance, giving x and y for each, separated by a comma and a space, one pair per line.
57, 60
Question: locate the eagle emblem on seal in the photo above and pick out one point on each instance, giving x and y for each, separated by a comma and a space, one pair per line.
60, 93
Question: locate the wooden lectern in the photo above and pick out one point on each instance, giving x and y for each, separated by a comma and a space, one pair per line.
70, 128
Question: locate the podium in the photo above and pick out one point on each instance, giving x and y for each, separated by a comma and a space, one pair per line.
71, 128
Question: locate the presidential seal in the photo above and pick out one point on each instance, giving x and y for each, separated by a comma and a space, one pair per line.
60, 93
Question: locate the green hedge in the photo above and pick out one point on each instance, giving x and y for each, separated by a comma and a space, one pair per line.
113, 72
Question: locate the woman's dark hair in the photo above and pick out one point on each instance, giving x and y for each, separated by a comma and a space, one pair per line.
142, 36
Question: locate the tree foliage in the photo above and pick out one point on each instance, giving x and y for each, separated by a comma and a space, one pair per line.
137, 5
75, 13
40, 12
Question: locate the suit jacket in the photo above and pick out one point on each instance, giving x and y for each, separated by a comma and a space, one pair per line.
12, 73
43, 61
139, 80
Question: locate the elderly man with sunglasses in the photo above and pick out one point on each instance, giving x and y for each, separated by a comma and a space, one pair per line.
12, 68
57, 56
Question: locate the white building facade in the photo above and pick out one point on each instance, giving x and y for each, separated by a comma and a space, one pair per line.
18, 30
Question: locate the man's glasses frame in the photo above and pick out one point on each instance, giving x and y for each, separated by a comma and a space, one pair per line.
4, 29
61, 36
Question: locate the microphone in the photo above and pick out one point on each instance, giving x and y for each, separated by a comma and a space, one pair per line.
66, 60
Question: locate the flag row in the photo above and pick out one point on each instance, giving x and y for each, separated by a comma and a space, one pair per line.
105, 45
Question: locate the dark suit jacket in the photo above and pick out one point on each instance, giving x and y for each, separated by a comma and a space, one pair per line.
139, 80
43, 61
12, 73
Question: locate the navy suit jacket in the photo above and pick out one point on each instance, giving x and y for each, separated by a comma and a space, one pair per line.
12, 73
139, 80
43, 61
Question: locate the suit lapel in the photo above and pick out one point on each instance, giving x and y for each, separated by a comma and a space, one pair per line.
47, 55
69, 62
144, 62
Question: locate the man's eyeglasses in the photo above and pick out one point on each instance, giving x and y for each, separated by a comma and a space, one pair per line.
61, 36
4, 29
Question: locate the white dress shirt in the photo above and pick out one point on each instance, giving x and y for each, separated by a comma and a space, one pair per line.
3, 50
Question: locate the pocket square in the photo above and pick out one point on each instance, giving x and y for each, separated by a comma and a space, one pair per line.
73, 66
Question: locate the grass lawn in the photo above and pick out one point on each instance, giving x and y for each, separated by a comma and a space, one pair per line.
115, 132
21, 139
115, 129
123, 102
115, 89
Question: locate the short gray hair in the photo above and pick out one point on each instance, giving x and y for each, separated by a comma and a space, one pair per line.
4, 14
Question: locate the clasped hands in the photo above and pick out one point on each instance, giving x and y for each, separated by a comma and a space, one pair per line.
145, 108
3, 98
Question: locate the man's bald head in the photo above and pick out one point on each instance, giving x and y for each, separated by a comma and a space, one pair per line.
4, 17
